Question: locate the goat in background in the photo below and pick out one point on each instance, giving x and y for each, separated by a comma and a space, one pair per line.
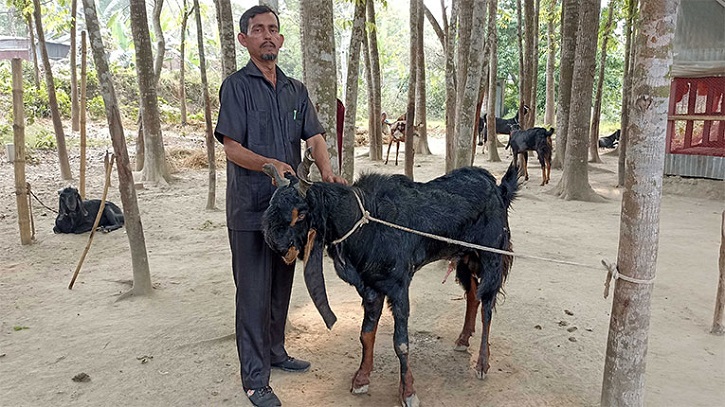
380, 261
503, 126
396, 131
534, 139
611, 141
78, 216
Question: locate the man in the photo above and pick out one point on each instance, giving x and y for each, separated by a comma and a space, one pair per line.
263, 115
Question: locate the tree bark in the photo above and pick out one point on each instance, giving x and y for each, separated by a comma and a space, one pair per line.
351, 92
550, 109
210, 141
570, 23
436, 27
31, 34
410, 117
65, 172
320, 69
626, 90
420, 99
625, 360
451, 92
227, 39
468, 88
594, 132
185, 14
493, 76
21, 186
160, 41
74, 114
132, 218
376, 137
154, 167
574, 182
372, 120
530, 64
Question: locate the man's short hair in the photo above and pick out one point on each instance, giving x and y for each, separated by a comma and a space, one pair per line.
253, 12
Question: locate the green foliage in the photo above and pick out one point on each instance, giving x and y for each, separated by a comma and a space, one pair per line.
40, 138
96, 108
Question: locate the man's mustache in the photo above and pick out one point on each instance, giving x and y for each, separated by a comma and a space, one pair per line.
269, 43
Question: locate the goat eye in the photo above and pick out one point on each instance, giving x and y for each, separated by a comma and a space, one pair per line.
300, 216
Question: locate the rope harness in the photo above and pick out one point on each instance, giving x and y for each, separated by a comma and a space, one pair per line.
612, 271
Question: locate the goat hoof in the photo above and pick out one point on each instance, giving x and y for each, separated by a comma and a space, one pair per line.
480, 374
411, 401
460, 348
359, 390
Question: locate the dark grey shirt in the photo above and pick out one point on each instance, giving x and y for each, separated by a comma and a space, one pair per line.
268, 121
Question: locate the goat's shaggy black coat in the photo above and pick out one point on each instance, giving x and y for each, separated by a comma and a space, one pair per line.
503, 126
610, 141
77, 216
380, 261
534, 139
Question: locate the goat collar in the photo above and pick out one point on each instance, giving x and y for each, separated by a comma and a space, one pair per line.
365, 218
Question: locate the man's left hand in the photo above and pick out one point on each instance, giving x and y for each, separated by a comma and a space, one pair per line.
330, 177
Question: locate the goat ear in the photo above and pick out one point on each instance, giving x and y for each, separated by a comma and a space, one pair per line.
315, 279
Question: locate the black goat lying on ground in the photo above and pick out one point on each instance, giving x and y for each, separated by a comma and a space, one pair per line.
77, 216
611, 141
379, 261
534, 139
503, 126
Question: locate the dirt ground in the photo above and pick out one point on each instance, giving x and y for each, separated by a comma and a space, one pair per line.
548, 337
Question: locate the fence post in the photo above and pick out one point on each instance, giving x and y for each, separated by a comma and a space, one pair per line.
21, 191
717, 321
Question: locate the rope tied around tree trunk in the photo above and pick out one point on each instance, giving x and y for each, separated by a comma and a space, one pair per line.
612, 272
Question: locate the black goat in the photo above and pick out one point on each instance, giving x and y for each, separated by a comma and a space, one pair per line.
379, 261
503, 126
611, 141
77, 216
534, 139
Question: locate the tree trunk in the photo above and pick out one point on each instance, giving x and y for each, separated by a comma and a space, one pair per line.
436, 27
570, 23
83, 103
52, 99
134, 230
451, 35
493, 76
550, 110
468, 89
185, 14
377, 135
154, 164
530, 64
160, 41
31, 34
21, 186
372, 120
410, 117
522, 62
210, 142
594, 132
625, 361
574, 183
227, 39
320, 70
420, 100
626, 90
74, 114
351, 92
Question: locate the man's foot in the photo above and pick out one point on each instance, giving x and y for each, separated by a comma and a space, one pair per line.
293, 365
263, 397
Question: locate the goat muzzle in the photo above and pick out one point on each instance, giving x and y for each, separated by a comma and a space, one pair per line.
291, 255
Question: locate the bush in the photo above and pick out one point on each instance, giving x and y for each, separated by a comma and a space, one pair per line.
96, 108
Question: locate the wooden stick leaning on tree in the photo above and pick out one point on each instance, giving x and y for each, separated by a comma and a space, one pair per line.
108, 164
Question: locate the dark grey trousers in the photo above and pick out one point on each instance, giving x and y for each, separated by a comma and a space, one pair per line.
264, 285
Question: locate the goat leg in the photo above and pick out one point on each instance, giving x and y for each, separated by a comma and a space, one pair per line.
373, 305
401, 310
469, 321
482, 365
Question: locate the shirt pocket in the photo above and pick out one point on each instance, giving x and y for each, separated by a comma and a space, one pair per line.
259, 127
294, 126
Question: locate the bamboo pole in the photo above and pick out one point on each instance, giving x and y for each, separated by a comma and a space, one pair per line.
82, 118
717, 321
108, 164
21, 192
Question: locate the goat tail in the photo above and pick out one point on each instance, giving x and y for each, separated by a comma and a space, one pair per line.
509, 184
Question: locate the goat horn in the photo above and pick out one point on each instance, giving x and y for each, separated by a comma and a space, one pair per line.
271, 170
303, 173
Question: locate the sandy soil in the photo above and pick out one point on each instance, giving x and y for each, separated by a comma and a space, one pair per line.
175, 349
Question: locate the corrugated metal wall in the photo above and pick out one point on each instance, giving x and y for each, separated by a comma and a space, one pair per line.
695, 166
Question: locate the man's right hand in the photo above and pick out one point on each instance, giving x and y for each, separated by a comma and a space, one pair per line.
282, 168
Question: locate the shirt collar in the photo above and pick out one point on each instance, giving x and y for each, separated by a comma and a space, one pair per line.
253, 70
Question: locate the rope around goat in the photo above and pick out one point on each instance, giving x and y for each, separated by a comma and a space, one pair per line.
612, 270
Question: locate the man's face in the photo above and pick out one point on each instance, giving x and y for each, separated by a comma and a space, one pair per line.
262, 38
